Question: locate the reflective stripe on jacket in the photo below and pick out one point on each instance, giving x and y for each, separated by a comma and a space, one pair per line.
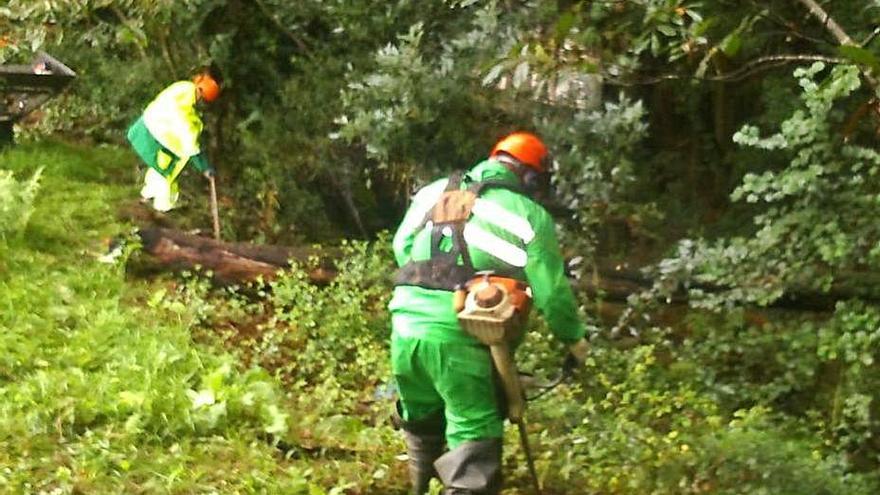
508, 232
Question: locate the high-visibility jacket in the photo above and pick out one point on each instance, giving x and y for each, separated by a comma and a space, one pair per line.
507, 232
172, 119
167, 134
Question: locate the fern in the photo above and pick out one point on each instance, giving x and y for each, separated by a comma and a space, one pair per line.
16, 202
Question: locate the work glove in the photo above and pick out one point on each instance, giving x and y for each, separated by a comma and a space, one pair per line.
577, 356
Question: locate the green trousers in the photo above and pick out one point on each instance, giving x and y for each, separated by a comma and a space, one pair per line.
453, 379
158, 157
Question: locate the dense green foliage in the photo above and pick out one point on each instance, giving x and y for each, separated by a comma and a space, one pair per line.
729, 147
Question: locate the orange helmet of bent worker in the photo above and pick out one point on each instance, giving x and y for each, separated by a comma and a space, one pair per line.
525, 147
207, 87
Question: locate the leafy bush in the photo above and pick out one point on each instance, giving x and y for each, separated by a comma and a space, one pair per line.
643, 421
596, 175
332, 338
328, 346
798, 240
16, 202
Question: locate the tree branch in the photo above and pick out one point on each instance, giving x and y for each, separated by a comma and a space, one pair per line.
790, 28
752, 67
130, 25
830, 24
870, 37
844, 39
769, 62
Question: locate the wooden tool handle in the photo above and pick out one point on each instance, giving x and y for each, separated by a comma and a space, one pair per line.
214, 211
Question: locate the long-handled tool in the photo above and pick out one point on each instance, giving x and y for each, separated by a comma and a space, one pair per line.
494, 311
516, 403
527, 450
214, 211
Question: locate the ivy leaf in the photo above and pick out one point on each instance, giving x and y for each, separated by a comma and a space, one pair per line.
731, 44
563, 26
667, 30
492, 77
520, 74
860, 56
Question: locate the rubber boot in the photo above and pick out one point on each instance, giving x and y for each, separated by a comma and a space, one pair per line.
422, 451
472, 468
425, 442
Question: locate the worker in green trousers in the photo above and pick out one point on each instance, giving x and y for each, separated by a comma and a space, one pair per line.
451, 409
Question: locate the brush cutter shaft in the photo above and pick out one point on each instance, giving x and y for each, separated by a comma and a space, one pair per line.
504, 364
214, 211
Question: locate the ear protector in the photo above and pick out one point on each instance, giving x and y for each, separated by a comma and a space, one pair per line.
535, 183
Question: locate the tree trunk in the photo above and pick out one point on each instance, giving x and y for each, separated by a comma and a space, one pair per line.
7, 134
228, 263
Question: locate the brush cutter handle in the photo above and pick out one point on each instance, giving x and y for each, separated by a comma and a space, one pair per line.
214, 210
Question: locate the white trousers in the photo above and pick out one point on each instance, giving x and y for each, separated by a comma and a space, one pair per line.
161, 190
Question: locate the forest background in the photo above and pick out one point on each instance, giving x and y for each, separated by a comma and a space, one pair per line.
721, 154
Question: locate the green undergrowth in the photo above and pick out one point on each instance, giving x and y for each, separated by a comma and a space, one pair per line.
112, 384
102, 392
680, 411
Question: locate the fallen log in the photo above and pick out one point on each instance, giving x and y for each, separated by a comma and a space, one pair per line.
228, 262
240, 262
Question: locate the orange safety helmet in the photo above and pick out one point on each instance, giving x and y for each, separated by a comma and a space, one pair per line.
525, 147
207, 87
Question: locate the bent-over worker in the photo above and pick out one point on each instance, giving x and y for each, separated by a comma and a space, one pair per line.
166, 137
450, 405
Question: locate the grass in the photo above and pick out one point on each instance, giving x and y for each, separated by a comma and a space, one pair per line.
102, 392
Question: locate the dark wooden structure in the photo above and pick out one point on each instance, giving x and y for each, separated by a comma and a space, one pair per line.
24, 88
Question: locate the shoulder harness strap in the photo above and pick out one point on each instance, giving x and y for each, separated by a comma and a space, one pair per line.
447, 219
